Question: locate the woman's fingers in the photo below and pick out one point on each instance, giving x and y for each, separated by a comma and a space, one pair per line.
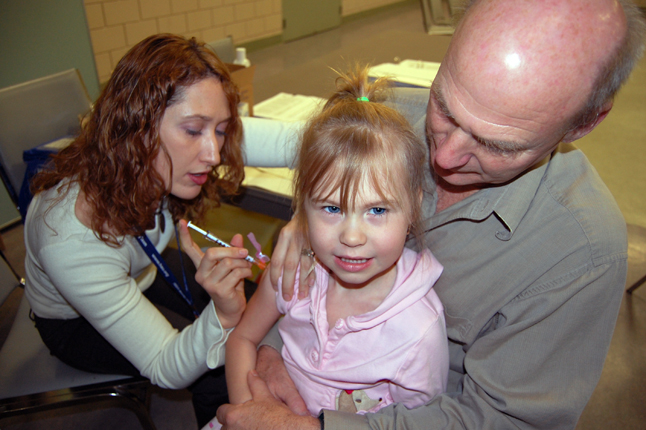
221, 273
217, 263
188, 245
237, 241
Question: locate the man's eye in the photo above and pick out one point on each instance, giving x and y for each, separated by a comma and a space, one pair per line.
378, 211
493, 148
332, 209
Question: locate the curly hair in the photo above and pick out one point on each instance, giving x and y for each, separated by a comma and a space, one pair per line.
351, 140
113, 157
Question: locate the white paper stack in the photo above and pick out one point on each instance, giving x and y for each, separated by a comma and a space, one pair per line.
276, 179
415, 73
288, 107
58, 144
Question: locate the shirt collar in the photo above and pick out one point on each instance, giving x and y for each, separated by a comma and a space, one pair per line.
508, 203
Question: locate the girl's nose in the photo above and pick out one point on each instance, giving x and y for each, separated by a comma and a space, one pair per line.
352, 234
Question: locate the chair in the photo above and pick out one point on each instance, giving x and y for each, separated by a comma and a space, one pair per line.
32, 380
34, 113
636, 285
224, 49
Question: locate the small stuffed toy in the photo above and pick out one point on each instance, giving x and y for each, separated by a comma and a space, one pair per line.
354, 401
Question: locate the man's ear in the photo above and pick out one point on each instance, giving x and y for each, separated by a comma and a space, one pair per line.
584, 129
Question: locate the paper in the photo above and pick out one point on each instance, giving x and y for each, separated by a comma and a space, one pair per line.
277, 180
57, 145
288, 107
415, 73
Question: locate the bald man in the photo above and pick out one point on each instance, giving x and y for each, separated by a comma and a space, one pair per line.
533, 244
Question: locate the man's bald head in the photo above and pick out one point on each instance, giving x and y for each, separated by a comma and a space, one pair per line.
519, 77
572, 54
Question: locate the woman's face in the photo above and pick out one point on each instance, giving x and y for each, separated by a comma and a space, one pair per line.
192, 131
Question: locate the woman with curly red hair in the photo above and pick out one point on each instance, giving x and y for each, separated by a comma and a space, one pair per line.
162, 142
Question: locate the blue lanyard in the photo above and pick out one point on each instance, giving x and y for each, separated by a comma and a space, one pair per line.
163, 268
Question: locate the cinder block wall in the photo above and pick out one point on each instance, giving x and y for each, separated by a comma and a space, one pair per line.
116, 25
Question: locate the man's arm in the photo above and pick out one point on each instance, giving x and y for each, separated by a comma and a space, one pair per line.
271, 368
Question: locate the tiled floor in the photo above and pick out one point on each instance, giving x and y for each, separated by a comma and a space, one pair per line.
302, 67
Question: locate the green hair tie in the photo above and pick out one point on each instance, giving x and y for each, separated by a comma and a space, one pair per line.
363, 99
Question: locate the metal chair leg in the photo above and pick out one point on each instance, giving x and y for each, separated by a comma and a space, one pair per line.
636, 285
133, 395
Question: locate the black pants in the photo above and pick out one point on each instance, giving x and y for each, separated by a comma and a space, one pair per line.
76, 343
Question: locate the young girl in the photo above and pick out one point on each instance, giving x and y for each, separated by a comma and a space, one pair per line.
372, 331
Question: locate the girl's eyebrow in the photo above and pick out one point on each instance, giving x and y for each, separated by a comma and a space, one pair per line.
376, 204
325, 200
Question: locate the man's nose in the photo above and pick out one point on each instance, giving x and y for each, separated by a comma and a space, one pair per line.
454, 151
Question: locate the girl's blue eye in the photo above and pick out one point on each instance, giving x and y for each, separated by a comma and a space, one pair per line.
378, 211
193, 132
332, 209
220, 133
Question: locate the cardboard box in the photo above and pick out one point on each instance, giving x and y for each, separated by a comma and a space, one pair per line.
243, 78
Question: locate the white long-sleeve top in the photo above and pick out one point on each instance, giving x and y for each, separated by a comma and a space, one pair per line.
70, 272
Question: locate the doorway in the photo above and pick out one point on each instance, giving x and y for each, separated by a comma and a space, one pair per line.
304, 17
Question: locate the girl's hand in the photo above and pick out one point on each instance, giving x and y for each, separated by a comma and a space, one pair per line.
285, 259
221, 272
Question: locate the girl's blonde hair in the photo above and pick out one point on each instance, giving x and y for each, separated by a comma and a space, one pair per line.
352, 140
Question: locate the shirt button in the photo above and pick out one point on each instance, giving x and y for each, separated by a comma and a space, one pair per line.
315, 355
339, 324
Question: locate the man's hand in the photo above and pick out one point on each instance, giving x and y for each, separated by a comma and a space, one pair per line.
285, 260
263, 412
271, 368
